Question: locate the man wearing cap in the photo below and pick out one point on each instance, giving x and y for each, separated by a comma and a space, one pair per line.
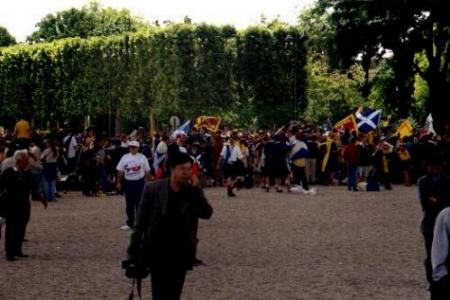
434, 193
164, 237
133, 167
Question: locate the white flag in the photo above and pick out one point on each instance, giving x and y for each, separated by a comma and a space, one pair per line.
429, 124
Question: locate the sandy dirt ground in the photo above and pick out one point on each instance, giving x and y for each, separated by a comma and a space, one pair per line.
334, 245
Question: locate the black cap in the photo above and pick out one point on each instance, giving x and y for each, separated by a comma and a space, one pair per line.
435, 158
179, 158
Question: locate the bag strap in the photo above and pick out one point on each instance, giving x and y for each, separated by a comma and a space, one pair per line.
139, 286
138, 283
227, 154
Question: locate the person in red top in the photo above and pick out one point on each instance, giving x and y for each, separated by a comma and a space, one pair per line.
351, 156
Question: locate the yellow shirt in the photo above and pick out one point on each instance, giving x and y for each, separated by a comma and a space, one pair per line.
404, 155
23, 129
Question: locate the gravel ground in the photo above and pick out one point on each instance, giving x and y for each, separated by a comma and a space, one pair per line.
334, 245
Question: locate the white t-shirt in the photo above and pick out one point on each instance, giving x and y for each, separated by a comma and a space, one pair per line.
161, 148
234, 155
133, 166
72, 148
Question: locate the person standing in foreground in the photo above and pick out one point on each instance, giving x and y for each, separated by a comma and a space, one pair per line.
135, 170
163, 236
18, 183
439, 256
434, 193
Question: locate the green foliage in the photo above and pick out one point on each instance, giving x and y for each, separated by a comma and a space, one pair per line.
181, 69
315, 24
332, 95
6, 39
383, 89
270, 70
92, 20
365, 29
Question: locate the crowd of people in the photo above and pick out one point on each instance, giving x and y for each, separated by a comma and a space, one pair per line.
292, 159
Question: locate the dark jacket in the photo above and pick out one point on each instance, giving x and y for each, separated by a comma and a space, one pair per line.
440, 189
151, 214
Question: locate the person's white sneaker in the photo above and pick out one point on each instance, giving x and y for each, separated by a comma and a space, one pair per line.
311, 191
125, 227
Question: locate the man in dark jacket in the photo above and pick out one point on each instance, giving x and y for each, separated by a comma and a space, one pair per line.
18, 183
164, 235
434, 193
381, 164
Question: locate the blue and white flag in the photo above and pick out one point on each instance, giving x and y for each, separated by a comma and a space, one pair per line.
327, 126
183, 129
429, 124
368, 120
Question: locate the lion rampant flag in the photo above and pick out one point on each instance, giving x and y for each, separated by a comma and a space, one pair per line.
210, 123
348, 122
405, 129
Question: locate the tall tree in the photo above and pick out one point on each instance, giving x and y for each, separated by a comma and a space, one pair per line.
6, 39
365, 29
91, 20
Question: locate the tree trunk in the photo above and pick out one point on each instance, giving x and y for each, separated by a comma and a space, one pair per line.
438, 103
404, 77
152, 120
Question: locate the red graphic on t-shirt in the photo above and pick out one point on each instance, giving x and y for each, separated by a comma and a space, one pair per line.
132, 169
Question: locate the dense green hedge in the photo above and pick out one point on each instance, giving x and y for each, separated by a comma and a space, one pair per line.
182, 69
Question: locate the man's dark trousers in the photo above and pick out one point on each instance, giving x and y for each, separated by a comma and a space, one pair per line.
16, 225
299, 176
167, 282
133, 191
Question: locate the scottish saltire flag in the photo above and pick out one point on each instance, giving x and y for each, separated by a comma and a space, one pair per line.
183, 129
368, 120
429, 124
327, 126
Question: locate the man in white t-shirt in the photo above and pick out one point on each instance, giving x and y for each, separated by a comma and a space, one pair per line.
133, 167
70, 151
229, 160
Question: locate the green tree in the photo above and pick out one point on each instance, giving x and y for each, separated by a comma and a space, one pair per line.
183, 69
270, 73
332, 95
365, 29
91, 20
6, 39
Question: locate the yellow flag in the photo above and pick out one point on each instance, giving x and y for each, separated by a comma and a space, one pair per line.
210, 123
327, 154
348, 122
405, 129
